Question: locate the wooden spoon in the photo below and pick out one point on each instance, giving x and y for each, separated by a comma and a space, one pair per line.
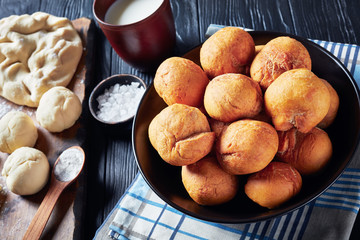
56, 187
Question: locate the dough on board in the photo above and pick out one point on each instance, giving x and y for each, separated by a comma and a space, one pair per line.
17, 130
37, 52
26, 171
59, 108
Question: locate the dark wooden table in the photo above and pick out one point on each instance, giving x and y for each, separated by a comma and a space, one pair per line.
111, 166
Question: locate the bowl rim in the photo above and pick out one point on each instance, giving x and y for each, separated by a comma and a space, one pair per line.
100, 84
288, 209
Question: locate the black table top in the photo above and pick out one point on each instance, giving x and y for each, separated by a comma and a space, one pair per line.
111, 164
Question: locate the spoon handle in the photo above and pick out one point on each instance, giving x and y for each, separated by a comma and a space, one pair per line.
42, 215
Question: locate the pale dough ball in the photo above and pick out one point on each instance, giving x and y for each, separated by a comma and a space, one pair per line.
26, 171
17, 130
59, 108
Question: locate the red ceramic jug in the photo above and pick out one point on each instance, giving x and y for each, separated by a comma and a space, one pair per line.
143, 44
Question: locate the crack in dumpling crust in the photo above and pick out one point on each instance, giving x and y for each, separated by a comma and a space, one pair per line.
181, 134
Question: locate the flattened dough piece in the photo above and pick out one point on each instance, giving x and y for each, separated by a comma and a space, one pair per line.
37, 52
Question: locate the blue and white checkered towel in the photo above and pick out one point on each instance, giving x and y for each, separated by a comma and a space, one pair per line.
141, 214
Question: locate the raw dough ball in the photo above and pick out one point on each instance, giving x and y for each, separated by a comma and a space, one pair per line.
17, 130
37, 52
181, 134
334, 106
229, 50
274, 185
26, 171
232, 96
276, 57
59, 108
246, 146
297, 98
307, 152
207, 183
179, 80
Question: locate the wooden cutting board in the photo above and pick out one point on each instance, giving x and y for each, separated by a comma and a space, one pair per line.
16, 212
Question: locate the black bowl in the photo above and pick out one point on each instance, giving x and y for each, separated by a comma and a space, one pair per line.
122, 79
165, 179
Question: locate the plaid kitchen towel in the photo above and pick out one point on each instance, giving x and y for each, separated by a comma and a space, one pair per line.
141, 214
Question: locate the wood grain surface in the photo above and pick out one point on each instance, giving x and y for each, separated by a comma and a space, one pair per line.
111, 166
16, 212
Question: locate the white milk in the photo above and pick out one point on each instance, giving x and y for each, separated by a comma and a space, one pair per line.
123, 12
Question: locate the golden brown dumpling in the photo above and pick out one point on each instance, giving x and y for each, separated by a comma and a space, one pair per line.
229, 50
333, 109
274, 185
231, 96
297, 98
278, 56
307, 152
179, 80
207, 183
246, 146
181, 134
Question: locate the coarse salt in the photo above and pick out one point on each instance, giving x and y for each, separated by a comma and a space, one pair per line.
69, 164
119, 102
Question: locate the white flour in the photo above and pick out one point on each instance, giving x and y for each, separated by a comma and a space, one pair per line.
69, 165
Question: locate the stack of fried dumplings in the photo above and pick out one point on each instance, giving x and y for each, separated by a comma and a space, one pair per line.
252, 111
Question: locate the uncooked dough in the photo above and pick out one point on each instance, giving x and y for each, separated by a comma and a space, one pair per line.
59, 108
37, 52
26, 171
17, 130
